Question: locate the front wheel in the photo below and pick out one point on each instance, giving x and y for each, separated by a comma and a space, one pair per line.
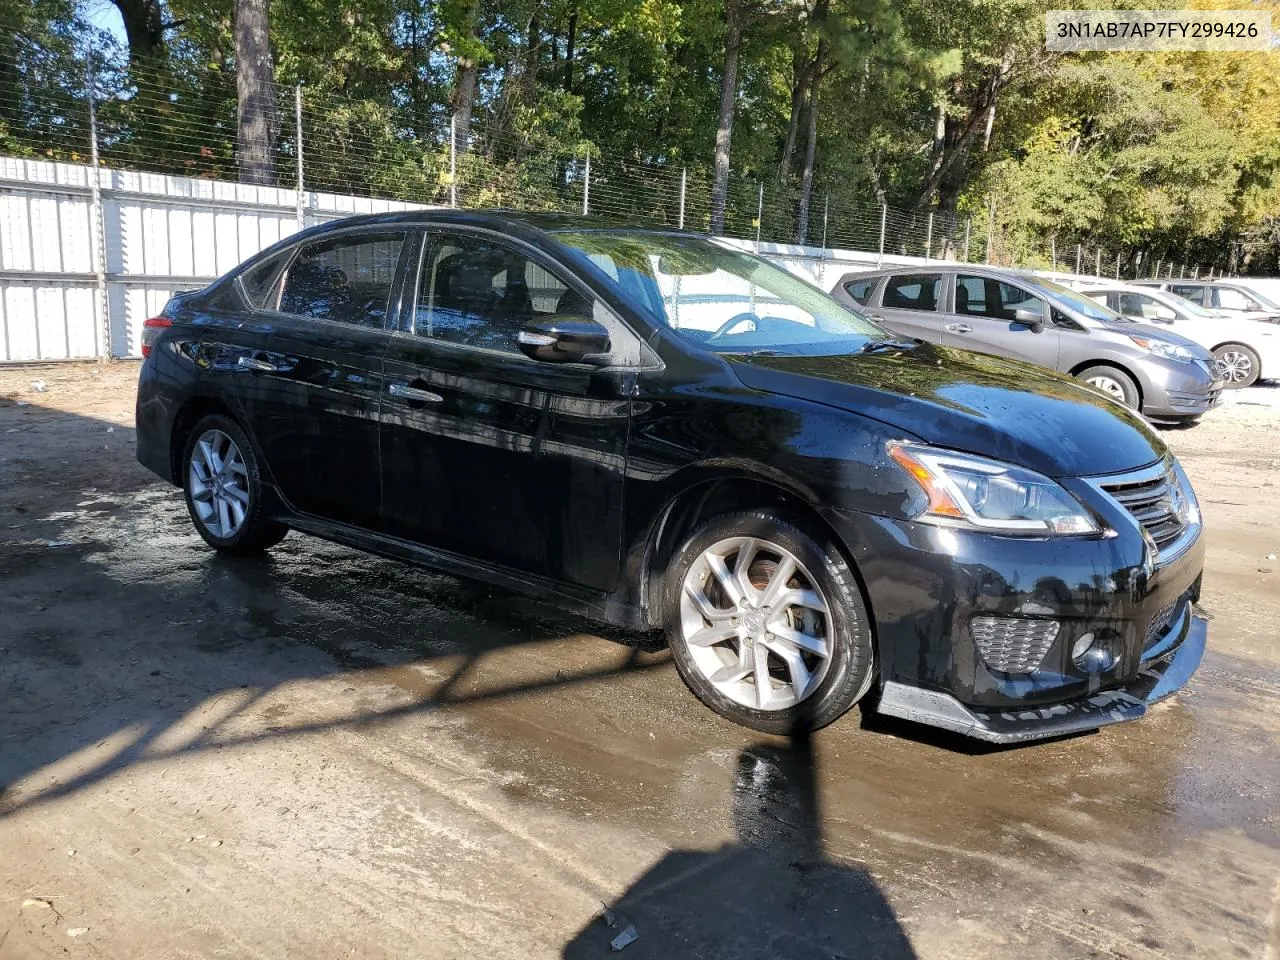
1238, 364
767, 625
1114, 383
223, 489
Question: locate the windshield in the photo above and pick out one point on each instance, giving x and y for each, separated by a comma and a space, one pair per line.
1189, 307
722, 299
1085, 306
1265, 302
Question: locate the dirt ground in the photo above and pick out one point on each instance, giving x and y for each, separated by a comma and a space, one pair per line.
324, 754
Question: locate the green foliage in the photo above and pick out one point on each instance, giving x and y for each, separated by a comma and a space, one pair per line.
1162, 152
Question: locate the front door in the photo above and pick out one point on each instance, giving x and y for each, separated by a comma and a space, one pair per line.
984, 318
308, 373
485, 452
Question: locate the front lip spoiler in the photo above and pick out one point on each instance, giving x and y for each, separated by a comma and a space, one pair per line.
1155, 682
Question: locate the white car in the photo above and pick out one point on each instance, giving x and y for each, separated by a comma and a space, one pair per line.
1246, 350
1226, 296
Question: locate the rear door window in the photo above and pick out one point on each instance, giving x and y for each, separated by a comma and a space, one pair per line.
913, 291
861, 290
1192, 291
344, 279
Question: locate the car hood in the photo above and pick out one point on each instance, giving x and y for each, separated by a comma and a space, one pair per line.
1156, 331
998, 408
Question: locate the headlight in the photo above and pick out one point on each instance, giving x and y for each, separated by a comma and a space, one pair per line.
1161, 348
981, 494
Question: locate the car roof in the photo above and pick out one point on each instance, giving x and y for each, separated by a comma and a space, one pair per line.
499, 219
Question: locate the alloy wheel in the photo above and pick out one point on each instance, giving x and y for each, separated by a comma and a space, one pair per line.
1235, 367
219, 484
755, 623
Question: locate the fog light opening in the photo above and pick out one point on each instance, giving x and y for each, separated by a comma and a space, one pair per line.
1092, 654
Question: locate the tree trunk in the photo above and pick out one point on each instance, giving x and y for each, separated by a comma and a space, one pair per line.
799, 87
464, 95
728, 96
256, 121
811, 146
143, 28
570, 40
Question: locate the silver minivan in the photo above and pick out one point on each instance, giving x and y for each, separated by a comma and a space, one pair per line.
1165, 376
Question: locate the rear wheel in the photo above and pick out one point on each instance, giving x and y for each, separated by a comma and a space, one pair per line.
767, 625
1115, 383
223, 489
1238, 365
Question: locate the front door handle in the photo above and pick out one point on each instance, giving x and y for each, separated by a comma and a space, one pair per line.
959, 328
259, 366
413, 394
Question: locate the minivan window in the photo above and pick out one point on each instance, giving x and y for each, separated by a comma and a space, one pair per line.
861, 290
912, 291
347, 279
989, 297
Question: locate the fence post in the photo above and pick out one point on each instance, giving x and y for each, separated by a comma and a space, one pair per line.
928, 237
453, 161
884, 212
684, 177
991, 227
586, 186
826, 212
1053, 251
1117, 266
968, 226
1078, 251
759, 214
98, 215
1097, 262
297, 120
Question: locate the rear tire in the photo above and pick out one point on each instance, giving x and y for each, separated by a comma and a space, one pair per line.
1238, 364
1114, 382
223, 486
794, 614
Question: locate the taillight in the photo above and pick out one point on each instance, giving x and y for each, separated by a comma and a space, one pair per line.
151, 330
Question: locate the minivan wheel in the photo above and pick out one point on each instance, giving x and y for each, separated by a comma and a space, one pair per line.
1115, 383
1238, 365
224, 489
767, 625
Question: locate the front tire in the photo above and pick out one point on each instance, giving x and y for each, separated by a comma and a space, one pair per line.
1114, 383
1238, 364
767, 625
223, 487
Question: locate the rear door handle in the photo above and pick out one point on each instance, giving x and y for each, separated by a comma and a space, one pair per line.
253, 363
413, 394
959, 328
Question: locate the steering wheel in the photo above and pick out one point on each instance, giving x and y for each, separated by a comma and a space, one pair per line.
731, 323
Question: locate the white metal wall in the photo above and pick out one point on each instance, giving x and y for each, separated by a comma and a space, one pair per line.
160, 234
163, 234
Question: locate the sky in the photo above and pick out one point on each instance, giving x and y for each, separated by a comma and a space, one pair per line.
104, 15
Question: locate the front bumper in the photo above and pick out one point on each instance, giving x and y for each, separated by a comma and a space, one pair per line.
1172, 390
1159, 678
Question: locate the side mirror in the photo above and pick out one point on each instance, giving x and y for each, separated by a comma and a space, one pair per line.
1032, 319
564, 340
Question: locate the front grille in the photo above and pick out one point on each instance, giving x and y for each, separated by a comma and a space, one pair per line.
1013, 644
1151, 500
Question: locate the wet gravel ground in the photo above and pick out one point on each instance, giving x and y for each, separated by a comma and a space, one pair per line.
324, 754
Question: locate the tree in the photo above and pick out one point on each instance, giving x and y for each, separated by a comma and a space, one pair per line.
256, 121
728, 98
144, 29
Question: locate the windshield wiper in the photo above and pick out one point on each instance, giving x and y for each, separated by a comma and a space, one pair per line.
880, 346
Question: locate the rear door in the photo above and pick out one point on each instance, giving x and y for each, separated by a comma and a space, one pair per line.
911, 304
983, 318
487, 453
307, 366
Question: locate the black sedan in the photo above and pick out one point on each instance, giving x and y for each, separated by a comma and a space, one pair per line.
658, 431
